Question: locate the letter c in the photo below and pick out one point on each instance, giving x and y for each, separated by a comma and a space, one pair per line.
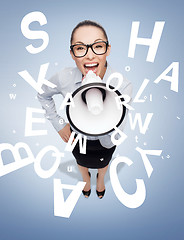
129, 200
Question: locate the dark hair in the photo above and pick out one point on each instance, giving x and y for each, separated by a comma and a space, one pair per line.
88, 23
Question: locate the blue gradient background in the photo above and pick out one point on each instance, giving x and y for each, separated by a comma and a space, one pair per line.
26, 202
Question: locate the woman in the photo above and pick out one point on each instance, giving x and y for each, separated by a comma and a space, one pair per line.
89, 49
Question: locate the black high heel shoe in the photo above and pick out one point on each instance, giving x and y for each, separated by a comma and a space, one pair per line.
100, 194
87, 193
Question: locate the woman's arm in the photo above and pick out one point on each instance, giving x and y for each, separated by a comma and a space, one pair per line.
48, 104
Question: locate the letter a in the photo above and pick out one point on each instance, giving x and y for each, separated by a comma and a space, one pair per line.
173, 79
64, 208
68, 100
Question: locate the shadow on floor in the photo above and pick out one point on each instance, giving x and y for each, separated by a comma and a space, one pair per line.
70, 169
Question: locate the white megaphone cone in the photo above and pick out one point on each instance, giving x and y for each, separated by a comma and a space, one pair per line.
95, 112
94, 98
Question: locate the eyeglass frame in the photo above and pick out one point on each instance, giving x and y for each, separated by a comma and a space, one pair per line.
89, 46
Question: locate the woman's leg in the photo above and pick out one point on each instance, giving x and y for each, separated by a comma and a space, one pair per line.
85, 176
100, 186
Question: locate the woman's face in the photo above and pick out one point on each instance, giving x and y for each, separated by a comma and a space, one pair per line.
91, 61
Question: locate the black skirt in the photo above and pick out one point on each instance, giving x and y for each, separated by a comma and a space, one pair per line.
96, 155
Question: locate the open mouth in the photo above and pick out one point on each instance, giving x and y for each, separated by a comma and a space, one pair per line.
91, 66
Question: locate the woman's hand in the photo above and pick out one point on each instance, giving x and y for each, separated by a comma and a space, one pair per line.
65, 133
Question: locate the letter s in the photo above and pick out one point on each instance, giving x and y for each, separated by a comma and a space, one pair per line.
29, 18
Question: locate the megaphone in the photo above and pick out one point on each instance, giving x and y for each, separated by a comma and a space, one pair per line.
95, 111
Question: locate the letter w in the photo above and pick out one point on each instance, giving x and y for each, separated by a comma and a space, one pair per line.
143, 127
12, 96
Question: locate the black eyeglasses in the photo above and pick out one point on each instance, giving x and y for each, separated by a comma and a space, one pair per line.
80, 50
